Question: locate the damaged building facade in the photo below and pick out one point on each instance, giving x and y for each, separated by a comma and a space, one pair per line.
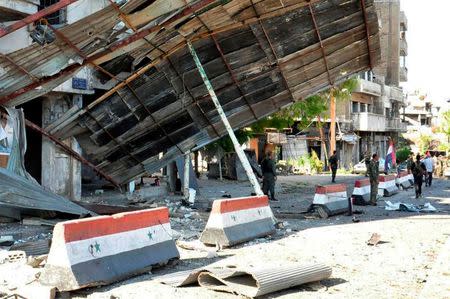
374, 113
120, 86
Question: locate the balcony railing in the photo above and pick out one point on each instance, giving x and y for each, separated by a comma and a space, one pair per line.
403, 47
403, 21
395, 93
368, 87
396, 125
369, 122
403, 74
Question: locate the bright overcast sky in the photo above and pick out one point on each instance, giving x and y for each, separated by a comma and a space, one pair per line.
428, 39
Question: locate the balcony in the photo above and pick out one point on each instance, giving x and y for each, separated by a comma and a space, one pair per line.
403, 47
369, 122
403, 74
403, 21
395, 94
396, 125
368, 87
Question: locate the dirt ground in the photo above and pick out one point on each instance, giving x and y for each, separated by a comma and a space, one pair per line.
412, 261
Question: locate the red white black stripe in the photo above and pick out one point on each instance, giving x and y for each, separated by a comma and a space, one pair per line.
104, 249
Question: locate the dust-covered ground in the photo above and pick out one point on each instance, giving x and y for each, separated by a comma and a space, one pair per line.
410, 262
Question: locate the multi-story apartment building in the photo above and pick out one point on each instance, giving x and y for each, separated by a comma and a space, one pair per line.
48, 164
374, 112
420, 113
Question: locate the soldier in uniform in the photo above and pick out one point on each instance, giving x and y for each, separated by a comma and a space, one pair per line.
374, 173
333, 160
269, 176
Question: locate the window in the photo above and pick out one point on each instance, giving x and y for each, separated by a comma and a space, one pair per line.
363, 107
355, 107
56, 18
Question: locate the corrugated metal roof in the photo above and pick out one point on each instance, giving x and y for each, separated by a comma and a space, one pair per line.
259, 55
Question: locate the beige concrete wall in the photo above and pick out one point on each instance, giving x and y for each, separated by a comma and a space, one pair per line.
389, 19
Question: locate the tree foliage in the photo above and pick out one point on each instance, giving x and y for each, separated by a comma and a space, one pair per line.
445, 125
306, 111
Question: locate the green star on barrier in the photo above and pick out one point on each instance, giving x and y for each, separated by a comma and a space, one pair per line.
97, 247
233, 217
150, 235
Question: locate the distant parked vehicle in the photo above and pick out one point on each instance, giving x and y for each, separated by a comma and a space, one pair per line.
402, 166
361, 167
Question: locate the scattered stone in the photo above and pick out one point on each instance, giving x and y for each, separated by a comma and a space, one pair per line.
374, 239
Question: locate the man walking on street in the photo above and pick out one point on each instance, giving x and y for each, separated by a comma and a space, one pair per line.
429, 165
418, 172
333, 160
374, 174
269, 175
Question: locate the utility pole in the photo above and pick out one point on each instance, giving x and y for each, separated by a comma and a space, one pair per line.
242, 157
332, 122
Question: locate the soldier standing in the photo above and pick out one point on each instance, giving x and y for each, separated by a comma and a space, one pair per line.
374, 173
333, 160
269, 176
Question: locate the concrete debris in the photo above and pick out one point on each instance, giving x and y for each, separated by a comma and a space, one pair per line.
37, 261
39, 221
15, 256
33, 291
374, 239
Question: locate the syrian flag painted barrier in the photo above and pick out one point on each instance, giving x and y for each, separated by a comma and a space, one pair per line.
101, 250
405, 180
238, 220
387, 186
361, 192
330, 200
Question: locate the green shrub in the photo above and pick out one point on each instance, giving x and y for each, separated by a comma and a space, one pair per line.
403, 154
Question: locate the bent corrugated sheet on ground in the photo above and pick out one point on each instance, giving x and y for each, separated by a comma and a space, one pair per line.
263, 56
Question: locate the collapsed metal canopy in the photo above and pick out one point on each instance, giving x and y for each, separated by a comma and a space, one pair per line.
260, 56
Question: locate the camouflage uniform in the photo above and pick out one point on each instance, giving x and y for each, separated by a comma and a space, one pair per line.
374, 174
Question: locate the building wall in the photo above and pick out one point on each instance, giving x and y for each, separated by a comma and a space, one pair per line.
60, 173
389, 19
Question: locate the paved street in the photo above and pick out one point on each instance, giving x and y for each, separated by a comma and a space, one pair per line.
406, 264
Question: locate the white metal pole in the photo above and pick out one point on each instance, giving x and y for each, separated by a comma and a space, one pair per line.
187, 166
242, 157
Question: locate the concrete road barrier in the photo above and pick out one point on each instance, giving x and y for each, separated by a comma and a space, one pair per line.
101, 250
238, 220
331, 200
387, 186
361, 192
404, 180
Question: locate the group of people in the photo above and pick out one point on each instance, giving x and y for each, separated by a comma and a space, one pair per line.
421, 169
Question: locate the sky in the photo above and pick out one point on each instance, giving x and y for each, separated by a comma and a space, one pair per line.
428, 38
